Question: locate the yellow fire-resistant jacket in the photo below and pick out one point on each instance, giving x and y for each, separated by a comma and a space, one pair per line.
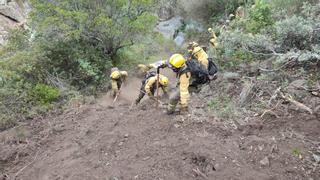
201, 56
214, 40
184, 79
114, 82
151, 84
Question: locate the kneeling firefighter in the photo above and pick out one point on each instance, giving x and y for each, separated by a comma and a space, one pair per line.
117, 78
150, 83
191, 76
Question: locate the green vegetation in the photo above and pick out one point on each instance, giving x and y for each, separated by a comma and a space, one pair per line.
70, 46
264, 32
279, 36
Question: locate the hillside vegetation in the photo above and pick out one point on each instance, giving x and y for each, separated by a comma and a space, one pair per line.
69, 47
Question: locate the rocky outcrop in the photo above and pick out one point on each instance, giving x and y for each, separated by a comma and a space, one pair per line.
12, 14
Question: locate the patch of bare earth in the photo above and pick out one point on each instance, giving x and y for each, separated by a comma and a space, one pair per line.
100, 141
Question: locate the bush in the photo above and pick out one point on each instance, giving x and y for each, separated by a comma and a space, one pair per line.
294, 33
44, 94
259, 17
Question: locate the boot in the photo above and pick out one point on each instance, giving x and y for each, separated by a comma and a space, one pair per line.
184, 110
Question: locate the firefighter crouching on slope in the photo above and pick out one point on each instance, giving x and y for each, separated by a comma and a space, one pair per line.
149, 85
178, 64
117, 78
197, 52
143, 69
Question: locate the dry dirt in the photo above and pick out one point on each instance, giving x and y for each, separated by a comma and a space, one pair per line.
104, 141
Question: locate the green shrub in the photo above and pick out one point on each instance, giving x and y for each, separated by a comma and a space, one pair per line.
259, 17
294, 32
44, 94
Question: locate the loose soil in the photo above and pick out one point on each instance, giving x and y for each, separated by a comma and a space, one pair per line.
105, 141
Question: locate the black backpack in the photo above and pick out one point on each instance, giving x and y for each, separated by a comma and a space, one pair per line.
197, 71
212, 68
148, 75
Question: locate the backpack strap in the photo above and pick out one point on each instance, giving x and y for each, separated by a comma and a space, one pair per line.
182, 71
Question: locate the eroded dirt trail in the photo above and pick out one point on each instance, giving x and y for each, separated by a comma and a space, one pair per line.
99, 141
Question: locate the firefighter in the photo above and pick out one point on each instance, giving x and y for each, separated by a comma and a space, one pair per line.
117, 78
150, 83
178, 64
213, 38
198, 53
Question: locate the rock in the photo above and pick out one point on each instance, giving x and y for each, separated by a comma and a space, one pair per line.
114, 178
166, 10
231, 76
265, 161
179, 39
126, 135
316, 157
295, 88
12, 15
168, 28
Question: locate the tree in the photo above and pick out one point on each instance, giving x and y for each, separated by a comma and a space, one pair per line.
106, 24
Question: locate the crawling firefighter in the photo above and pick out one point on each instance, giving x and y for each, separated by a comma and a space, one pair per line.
150, 83
191, 76
117, 78
198, 53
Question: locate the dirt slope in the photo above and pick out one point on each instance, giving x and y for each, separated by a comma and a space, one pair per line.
97, 141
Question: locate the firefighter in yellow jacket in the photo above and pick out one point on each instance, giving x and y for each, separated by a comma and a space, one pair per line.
117, 78
178, 64
213, 38
149, 85
197, 52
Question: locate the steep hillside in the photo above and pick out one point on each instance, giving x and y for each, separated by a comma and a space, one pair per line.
101, 140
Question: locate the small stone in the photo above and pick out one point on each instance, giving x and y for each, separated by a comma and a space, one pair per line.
120, 143
265, 161
114, 178
146, 158
316, 158
260, 148
176, 125
126, 135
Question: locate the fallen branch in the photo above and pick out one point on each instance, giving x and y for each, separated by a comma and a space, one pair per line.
35, 158
298, 104
274, 96
271, 111
199, 173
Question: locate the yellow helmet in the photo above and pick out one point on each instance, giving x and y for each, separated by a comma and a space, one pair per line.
177, 60
115, 75
124, 73
164, 81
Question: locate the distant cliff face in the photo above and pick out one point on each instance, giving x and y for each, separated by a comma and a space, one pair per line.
13, 14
